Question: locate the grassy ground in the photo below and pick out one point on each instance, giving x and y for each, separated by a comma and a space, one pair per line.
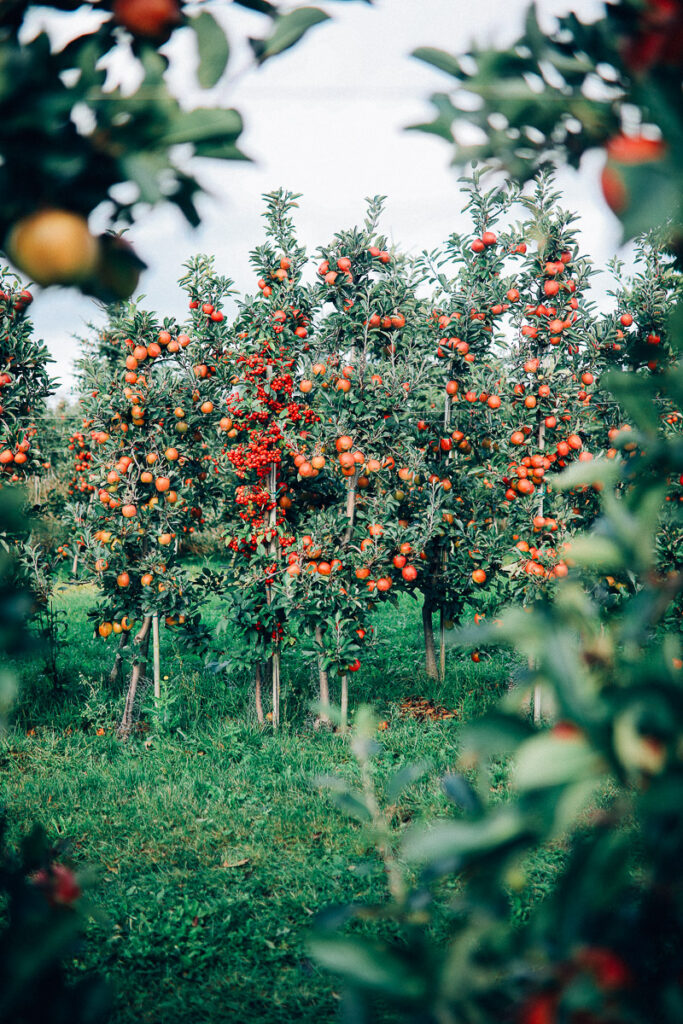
213, 846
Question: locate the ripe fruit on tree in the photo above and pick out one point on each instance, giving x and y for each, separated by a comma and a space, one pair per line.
624, 151
53, 246
152, 19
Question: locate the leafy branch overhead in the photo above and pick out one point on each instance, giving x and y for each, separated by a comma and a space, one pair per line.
551, 97
69, 140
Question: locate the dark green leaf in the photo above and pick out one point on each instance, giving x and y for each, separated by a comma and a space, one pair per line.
204, 125
288, 30
439, 59
461, 793
262, 6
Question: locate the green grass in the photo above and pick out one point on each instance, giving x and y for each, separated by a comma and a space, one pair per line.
213, 848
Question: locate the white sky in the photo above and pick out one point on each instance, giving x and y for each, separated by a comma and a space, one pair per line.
326, 119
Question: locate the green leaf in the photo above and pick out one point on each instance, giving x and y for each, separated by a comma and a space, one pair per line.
405, 777
461, 792
346, 799
144, 169
204, 125
498, 733
448, 839
220, 151
446, 113
262, 6
365, 964
214, 50
675, 328
637, 395
605, 471
595, 552
654, 191
573, 800
439, 59
288, 30
548, 760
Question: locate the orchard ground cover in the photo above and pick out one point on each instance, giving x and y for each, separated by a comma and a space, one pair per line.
213, 847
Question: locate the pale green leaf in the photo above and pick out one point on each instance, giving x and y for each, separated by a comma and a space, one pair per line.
214, 50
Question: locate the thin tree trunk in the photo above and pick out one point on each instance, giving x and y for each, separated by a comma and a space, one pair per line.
274, 551
142, 641
257, 694
118, 660
444, 561
351, 506
74, 565
538, 696
323, 681
156, 655
344, 702
276, 688
442, 643
430, 652
444, 554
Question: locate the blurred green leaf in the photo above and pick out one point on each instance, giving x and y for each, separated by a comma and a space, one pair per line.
438, 59
214, 50
604, 471
636, 394
654, 191
405, 777
460, 792
365, 964
288, 30
204, 125
447, 839
349, 800
596, 552
547, 760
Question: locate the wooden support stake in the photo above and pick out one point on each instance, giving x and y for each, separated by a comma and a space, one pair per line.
156, 652
344, 703
323, 680
257, 694
276, 689
274, 550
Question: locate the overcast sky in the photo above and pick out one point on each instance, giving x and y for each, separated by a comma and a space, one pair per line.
326, 119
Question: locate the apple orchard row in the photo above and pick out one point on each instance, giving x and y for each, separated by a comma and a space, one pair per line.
369, 426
